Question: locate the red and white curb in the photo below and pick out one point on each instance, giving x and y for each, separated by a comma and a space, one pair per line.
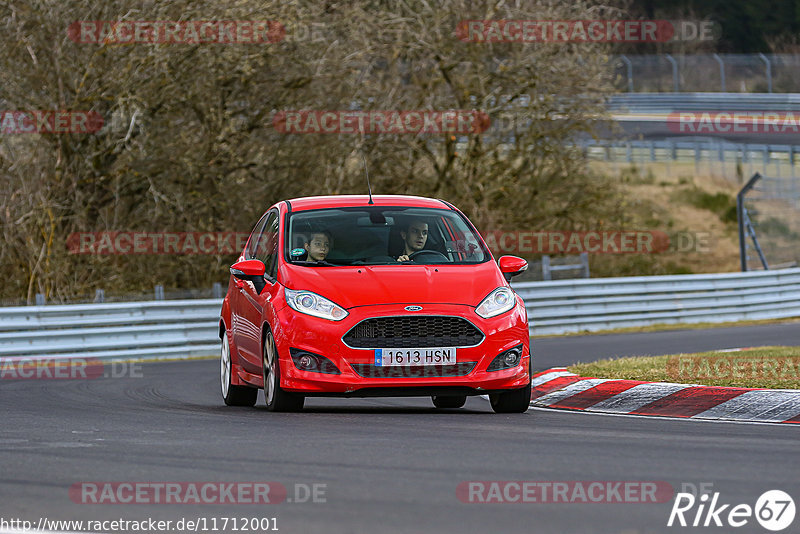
558, 388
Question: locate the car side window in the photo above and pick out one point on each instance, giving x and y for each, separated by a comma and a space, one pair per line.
267, 250
252, 242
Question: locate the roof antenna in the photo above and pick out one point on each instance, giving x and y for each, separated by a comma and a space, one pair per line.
369, 187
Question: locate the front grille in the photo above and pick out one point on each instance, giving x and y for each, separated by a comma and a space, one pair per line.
368, 370
417, 331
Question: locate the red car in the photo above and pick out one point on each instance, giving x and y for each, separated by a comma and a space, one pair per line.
359, 296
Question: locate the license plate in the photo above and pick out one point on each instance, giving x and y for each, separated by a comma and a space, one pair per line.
407, 357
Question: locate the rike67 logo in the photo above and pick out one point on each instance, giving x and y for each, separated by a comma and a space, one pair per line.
774, 510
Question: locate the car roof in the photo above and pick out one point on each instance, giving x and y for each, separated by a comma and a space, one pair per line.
341, 201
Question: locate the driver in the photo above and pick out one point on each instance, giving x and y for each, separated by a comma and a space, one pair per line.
414, 235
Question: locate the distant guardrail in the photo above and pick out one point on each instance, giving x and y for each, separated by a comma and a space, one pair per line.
687, 102
181, 328
644, 117
691, 149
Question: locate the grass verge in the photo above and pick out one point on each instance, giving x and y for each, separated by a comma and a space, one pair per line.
763, 367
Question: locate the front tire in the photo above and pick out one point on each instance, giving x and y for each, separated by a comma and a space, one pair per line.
449, 402
231, 394
514, 401
276, 399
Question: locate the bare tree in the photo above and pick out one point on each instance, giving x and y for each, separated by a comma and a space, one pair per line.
189, 144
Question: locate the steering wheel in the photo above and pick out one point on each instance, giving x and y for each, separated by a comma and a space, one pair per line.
435, 255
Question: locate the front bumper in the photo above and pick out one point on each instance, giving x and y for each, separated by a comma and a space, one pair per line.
359, 376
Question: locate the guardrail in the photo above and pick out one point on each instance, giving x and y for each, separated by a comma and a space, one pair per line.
180, 328
603, 303
173, 328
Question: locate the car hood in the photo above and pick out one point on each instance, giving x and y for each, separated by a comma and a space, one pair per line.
389, 284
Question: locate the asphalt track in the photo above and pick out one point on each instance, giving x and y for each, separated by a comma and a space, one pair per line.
389, 465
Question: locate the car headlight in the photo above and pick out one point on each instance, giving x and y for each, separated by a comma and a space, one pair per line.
499, 301
312, 304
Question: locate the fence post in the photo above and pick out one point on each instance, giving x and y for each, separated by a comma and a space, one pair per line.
765, 59
585, 264
159, 292
721, 71
216, 290
99, 295
696, 158
546, 273
40, 299
675, 83
629, 67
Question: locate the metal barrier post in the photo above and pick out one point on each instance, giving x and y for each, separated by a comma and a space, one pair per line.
745, 226
546, 273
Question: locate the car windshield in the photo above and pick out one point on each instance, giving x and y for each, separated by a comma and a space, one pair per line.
382, 236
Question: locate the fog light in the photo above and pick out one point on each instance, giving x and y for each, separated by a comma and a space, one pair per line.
511, 358
314, 363
306, 362
507, 359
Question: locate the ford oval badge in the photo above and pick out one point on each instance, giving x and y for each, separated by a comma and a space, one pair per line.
413, 308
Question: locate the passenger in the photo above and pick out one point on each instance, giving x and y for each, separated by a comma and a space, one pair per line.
414, 235
318, 246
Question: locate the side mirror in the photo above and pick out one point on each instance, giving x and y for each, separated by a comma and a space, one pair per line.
511, 266
251, 271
